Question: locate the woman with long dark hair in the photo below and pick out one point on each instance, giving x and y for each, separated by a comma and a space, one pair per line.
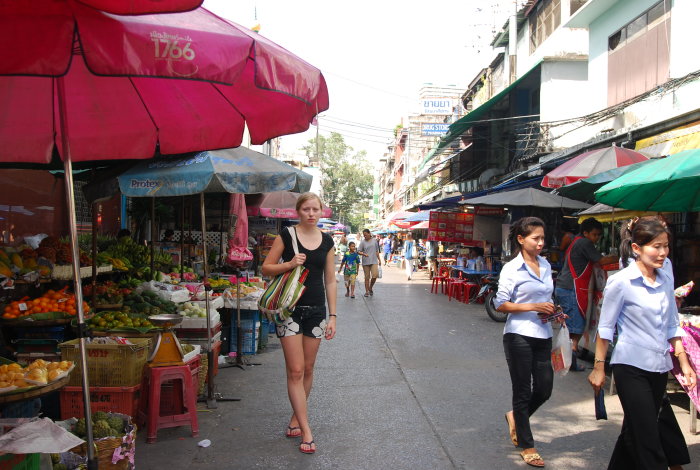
300, 335
639, 303
525, 293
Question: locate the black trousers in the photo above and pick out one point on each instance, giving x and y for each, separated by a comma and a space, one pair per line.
650, 438
531, 375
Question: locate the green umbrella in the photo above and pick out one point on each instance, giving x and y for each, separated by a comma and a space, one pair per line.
583, 190
670, 184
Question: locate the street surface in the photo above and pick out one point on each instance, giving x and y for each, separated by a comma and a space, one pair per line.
411, 381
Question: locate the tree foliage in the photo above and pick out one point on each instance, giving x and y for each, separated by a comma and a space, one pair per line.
346, 181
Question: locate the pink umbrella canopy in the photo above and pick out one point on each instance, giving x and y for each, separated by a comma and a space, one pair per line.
278, 205
142, 7
126, 87
589, 164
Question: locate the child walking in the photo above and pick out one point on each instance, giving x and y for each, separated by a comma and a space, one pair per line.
351, 261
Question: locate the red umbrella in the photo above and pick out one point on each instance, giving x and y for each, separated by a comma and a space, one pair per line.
589, 164
142, 7
106, 81
96, 86
278, 205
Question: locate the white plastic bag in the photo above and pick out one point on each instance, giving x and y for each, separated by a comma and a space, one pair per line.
561, 351
379, 271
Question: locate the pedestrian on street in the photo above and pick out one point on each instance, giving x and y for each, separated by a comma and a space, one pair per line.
342, 246
408, 246
369, 250
351, 262
431, 251
525, 292
574, 280
386, 248
639, 304
300, 335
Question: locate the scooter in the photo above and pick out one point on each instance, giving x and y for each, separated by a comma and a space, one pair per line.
488, 294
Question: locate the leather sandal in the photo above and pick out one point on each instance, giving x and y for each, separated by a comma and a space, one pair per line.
533, 459
291, 431
310, 450
511, 430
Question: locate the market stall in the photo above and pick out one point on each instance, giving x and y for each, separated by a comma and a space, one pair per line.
104, 104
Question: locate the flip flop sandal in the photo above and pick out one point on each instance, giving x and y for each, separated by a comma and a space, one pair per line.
534, 460
511, 432
366, 294
311, 450
352, 296
290, 432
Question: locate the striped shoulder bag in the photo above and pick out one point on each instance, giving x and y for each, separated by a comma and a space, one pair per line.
285, 290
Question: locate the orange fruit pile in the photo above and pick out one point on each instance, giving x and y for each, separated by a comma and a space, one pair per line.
51, 301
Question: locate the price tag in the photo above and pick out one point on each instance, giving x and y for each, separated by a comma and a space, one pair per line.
62, 300
23, 307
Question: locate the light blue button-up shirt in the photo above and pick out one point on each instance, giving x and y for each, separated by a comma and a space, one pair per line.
519, 284
645, 315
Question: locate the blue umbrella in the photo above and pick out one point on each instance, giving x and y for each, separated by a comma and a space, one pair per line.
418, 217
238, 170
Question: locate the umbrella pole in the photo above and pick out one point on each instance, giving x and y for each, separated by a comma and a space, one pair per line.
92, 463
211, 397
182, 240
153, 237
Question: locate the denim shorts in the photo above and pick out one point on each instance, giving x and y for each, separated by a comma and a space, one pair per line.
567, 299
307, 320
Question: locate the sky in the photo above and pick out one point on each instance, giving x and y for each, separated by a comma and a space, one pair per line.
375, 55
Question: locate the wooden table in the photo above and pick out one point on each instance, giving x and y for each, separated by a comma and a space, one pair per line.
22, 394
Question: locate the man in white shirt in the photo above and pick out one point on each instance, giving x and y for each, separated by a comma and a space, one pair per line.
369, 250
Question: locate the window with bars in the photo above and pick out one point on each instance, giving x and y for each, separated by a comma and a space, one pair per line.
543, 22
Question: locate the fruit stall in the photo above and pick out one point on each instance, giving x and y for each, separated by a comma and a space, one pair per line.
40, 357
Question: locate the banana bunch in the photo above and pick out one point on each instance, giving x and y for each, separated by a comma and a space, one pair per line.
119, 264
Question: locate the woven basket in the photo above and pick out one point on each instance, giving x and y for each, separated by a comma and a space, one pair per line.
114, 449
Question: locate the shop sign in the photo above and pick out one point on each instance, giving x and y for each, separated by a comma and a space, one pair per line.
434, 128
670, 142
480, 210
453, 227
439, 106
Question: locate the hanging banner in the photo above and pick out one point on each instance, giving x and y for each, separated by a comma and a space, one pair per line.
454, 227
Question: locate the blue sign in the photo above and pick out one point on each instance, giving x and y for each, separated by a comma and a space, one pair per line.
434, 128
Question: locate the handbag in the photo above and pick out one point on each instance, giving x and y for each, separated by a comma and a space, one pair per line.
281, 296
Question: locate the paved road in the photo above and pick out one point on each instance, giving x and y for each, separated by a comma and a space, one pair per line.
412, 381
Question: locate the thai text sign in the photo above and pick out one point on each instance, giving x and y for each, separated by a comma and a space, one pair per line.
454, 227
442, 106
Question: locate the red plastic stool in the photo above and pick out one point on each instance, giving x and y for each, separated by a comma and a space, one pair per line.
467, 289
184, 398
438, 283
454, 289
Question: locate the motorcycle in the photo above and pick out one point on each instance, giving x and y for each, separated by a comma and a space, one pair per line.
487, 293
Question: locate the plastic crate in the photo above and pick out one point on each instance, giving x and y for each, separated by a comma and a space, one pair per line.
264, 332
197, 333
123, 400
24, 359
250, 324
19, 461
109, 365
46, 346
57, 333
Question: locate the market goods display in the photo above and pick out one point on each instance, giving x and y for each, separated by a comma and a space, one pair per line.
39, 372
147, 303
190, 309
115, 439
14, 264
117, 320
51, 301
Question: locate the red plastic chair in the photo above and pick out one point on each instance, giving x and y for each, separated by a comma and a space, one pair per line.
185, 397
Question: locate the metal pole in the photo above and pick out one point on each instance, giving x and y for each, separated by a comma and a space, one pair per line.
92, 463
95, 215
153, 237
211, 400
182, 240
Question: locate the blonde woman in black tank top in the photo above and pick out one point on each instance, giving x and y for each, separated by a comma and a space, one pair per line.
301, 334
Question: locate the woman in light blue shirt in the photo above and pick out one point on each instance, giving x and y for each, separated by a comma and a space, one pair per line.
639, 302
525, 293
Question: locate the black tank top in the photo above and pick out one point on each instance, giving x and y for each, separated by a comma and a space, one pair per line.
315, 294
